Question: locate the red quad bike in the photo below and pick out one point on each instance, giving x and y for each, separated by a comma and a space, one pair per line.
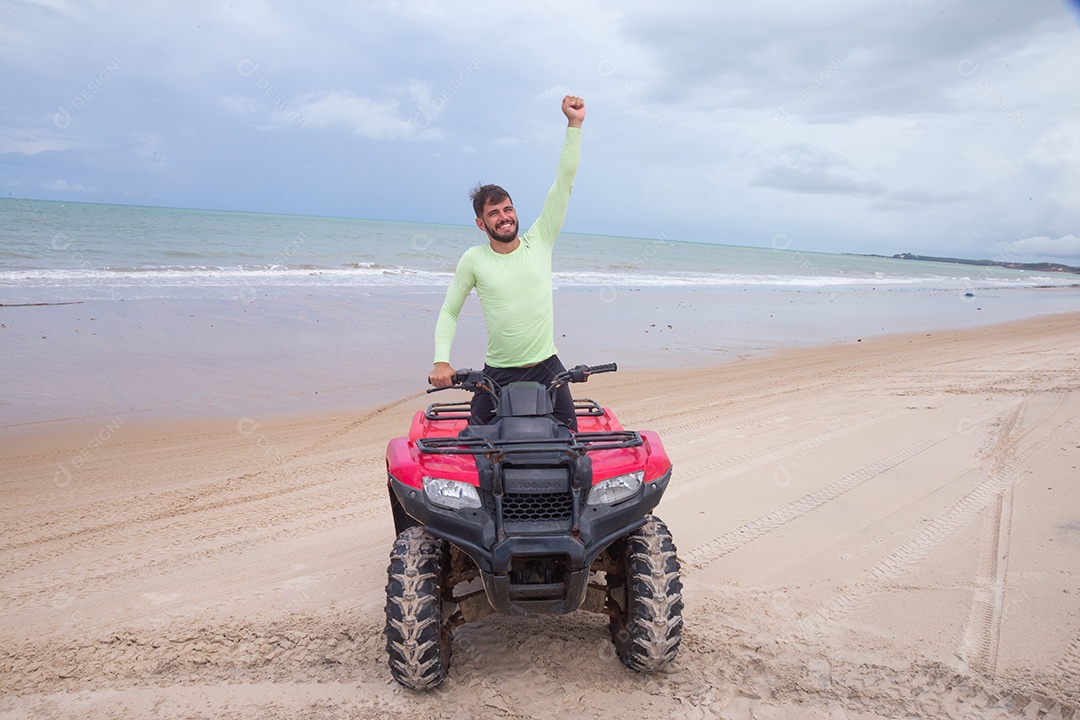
522, 516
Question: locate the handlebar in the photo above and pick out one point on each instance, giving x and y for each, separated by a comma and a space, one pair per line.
609, 367
580, 373
477, 381
465, 379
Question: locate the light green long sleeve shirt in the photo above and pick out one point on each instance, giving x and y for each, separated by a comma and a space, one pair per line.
515, 288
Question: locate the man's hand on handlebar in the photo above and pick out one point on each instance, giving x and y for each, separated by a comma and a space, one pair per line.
442, 375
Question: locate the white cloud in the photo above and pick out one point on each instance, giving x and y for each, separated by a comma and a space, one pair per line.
28, 144
1064, 248
60, 185
1058, 148
362, 116
557, 92
240, 105
907, 201
817, 181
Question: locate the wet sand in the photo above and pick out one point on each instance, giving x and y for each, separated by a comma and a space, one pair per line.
278, 352
883, 527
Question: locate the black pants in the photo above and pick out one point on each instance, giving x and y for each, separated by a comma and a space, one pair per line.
483, 406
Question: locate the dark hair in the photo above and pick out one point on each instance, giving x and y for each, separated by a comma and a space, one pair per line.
482, 195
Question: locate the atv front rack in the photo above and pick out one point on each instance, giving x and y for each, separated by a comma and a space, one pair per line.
461, 410
576, 444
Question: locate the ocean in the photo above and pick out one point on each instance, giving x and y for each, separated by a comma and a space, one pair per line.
118, 312
52, 251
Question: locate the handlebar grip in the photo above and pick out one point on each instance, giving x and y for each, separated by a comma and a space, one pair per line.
457, 380
610, 367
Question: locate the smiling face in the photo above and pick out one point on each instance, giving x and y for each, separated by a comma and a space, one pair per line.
499, 221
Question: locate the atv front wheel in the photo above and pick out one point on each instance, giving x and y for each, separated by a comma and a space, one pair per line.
646, 622
417, 639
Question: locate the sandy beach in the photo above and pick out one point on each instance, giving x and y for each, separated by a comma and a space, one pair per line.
886, 527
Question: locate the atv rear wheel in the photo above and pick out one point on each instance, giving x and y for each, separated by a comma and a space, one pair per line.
417, 638
646, 622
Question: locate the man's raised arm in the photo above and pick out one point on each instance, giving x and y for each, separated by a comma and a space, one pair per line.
547, 227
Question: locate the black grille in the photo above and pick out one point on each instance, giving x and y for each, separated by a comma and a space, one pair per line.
538, 507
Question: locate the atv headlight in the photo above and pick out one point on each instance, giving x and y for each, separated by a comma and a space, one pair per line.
451, 494
616, 489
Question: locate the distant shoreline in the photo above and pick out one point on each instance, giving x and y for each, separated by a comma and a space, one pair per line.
1039, 266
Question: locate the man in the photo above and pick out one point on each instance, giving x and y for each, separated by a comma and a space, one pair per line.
512, 277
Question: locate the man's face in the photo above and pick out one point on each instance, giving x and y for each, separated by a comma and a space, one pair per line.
499, 221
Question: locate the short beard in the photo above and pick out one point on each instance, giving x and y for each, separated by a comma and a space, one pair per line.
503, 238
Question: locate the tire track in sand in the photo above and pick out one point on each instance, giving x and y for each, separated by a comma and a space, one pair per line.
1070, 664
907, 556
702, 476
272, 503
115, 514
703, 555
982, 632
350, 427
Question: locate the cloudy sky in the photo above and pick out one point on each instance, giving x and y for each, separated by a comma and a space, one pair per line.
949, 127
